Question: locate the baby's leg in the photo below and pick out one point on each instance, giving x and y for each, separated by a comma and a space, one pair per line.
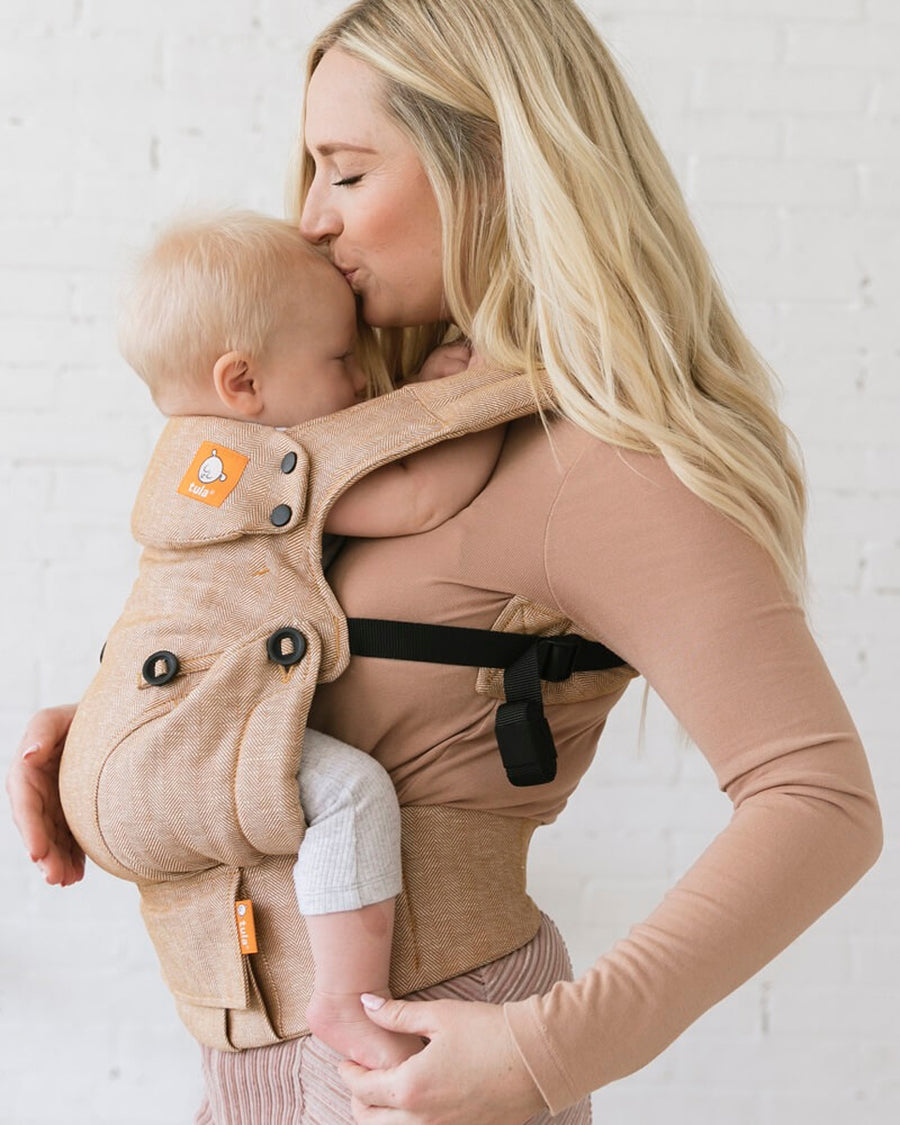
347, 876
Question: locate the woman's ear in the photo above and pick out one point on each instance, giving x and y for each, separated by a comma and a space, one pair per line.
237, 386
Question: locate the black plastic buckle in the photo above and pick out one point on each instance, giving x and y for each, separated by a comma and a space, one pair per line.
151, 670
296, 650
556, 656
526, 744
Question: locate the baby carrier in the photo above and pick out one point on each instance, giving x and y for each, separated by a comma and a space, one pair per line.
179, 772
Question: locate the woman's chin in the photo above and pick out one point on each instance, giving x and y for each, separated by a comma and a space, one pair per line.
373, 312
379, 319
380, 312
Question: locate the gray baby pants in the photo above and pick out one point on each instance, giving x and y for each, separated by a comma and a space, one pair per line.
350, 855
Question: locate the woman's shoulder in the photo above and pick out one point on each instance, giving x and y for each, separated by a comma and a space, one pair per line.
623, 521
592, 470
606, 512
602, 496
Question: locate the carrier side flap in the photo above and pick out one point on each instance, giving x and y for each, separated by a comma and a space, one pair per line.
192, 925
214, 479
207, 774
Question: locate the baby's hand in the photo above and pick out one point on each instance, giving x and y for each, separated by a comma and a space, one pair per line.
448, 359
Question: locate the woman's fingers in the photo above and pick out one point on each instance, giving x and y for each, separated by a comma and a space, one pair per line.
384, 1097
373, 1115
470, 1070
32, 784
373, 1088
25, 791
408, 1017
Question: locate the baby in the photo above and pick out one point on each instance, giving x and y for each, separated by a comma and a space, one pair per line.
237, 316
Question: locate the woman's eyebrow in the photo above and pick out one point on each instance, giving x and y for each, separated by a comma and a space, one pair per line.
330, 147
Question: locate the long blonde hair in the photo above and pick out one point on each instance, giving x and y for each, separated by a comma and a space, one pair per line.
569, 252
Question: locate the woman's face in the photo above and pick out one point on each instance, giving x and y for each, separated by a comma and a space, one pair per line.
370, 203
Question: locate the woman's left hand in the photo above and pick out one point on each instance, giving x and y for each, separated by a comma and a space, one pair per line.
470, 1069
33, 787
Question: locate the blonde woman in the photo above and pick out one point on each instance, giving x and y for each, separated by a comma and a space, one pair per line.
479, 167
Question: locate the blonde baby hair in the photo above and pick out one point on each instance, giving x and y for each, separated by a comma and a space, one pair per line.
210, 284
569, 252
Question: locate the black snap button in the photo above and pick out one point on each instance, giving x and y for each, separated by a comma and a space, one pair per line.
289, 462
170, 668
296, 647
281, 515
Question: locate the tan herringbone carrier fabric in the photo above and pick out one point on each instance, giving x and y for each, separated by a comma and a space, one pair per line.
187, 787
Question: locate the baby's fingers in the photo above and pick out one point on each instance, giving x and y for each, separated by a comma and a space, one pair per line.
448, 359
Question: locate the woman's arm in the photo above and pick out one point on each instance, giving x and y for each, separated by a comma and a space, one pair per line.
32, 784
639, 562
689, 600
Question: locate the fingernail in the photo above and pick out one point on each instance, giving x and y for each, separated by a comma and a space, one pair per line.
373, 1003
30, 750
42, 868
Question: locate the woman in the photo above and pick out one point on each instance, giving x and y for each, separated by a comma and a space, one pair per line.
479, 167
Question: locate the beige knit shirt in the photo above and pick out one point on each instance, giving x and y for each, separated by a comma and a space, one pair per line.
613, 541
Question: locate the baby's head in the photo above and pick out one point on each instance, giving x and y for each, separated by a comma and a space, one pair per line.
236, 315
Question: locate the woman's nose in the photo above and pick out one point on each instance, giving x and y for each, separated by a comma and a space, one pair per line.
317, 221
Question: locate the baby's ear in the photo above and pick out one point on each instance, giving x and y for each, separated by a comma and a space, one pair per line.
235, 385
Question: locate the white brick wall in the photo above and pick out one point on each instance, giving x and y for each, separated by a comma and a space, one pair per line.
781, 120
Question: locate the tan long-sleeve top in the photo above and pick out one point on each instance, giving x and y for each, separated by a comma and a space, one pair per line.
613, 541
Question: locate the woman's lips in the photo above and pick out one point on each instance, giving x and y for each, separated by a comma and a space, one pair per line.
349, 275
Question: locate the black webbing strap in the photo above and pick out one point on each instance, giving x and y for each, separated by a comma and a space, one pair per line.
523, 734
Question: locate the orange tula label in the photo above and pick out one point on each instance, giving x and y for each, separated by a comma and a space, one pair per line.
243, 915
213, 474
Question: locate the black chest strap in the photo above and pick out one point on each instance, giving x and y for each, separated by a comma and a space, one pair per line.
523, 734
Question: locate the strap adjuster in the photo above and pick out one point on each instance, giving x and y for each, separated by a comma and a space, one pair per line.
556, 656
523, 733
525, 742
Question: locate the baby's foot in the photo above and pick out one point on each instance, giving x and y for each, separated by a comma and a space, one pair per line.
340, 1020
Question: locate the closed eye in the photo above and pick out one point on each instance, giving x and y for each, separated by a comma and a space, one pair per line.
348, 181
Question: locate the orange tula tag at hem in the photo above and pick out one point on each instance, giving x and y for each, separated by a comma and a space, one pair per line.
243, 914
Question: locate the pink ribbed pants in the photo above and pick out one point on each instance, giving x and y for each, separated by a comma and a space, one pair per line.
296, 1083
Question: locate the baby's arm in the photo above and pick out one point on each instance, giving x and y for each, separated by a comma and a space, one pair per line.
424, 490
420, 492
